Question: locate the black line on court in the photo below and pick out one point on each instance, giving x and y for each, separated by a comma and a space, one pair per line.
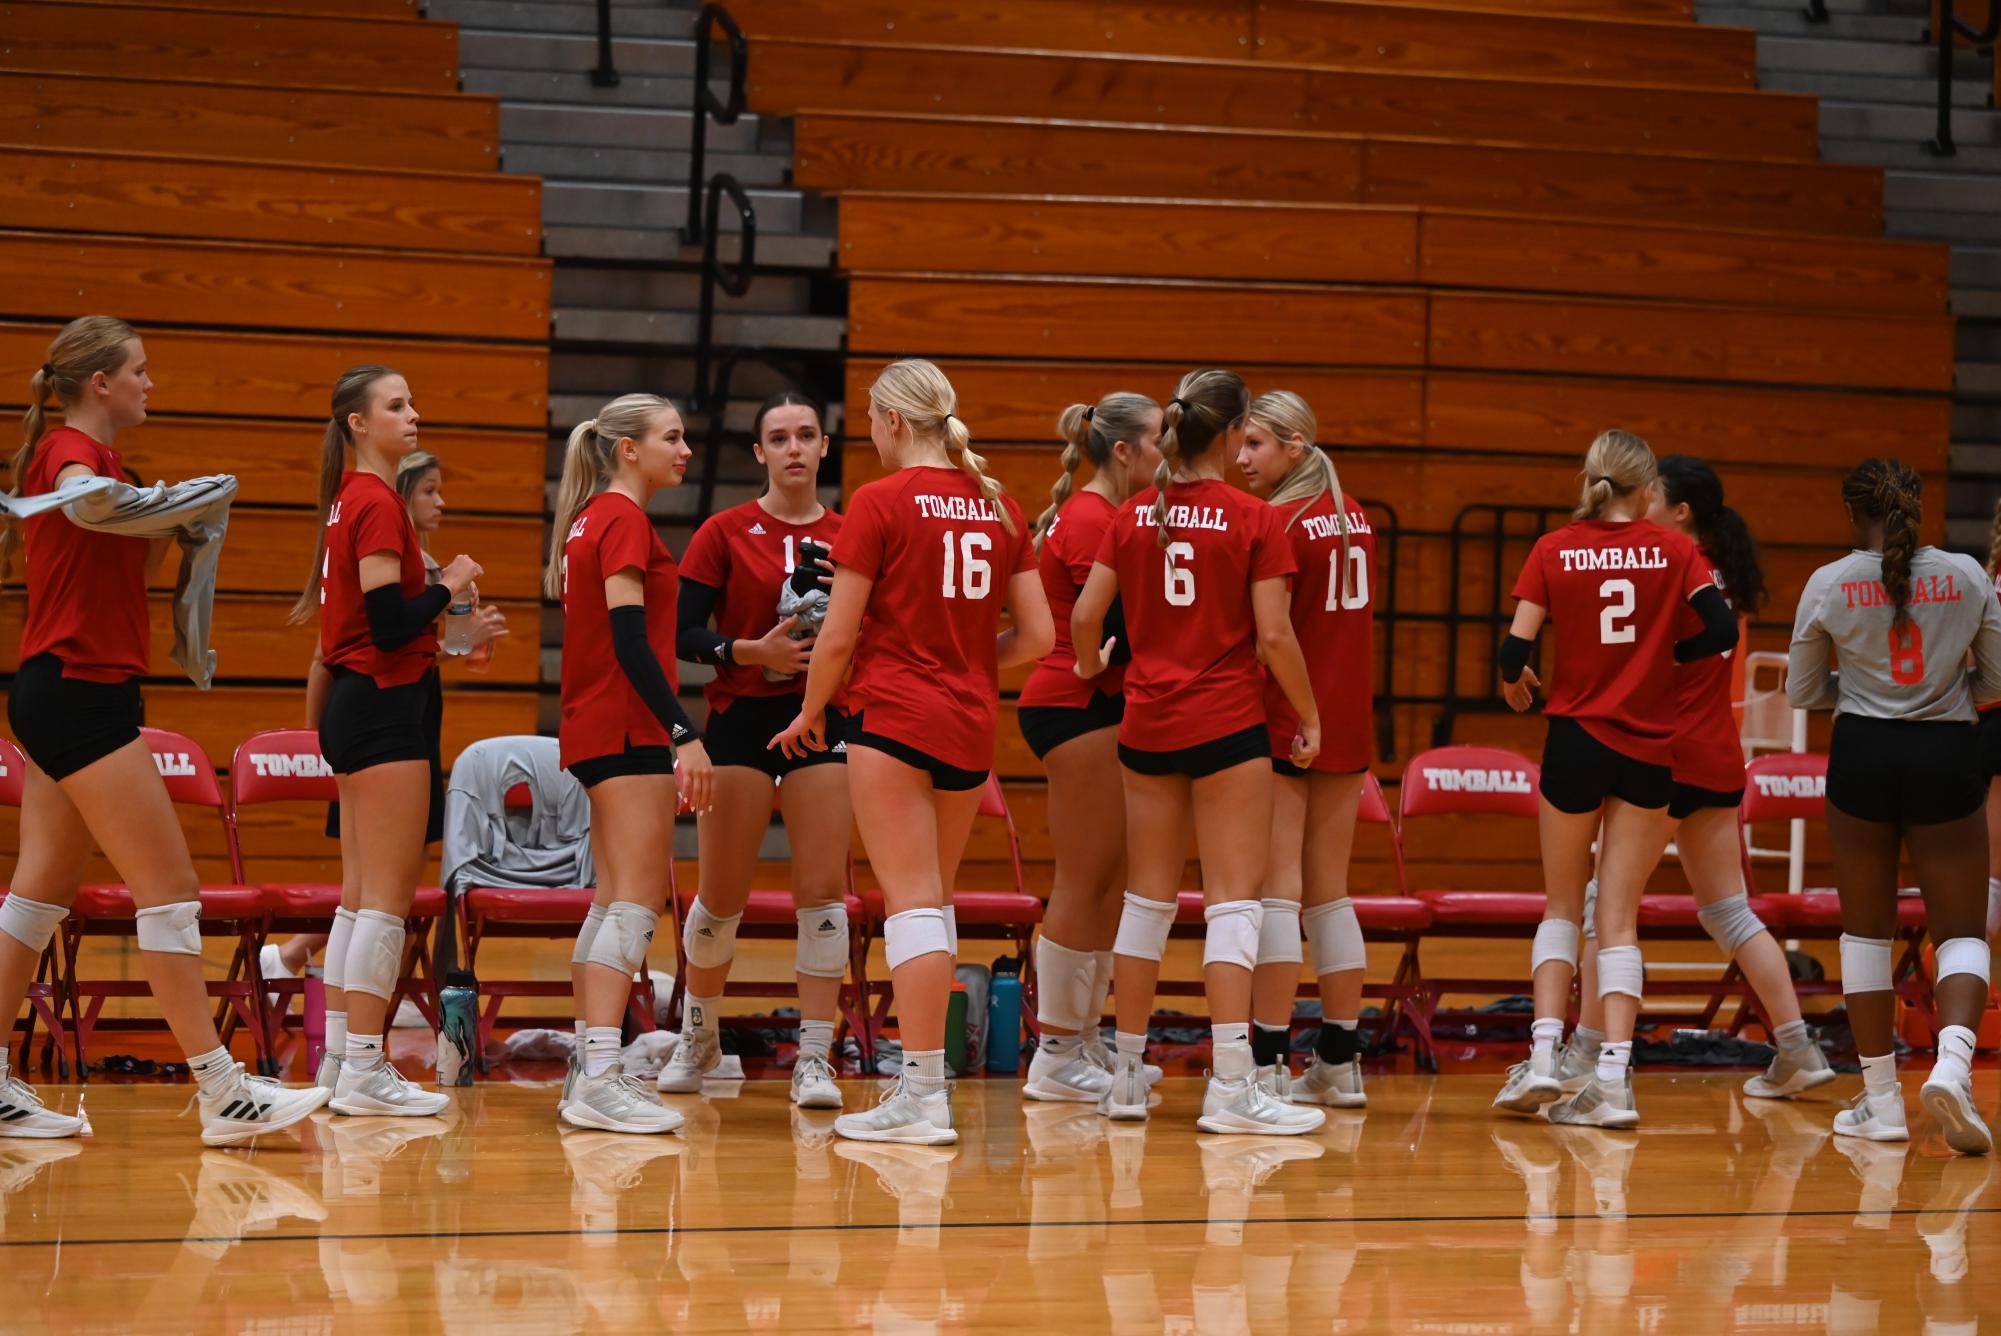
648, 1231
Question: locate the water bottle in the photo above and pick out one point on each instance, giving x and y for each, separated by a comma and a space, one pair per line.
315, 1007
458, 1028
458, 625
1004, 1021
955, 1031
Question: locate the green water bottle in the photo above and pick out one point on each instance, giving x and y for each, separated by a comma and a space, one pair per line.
955, 1030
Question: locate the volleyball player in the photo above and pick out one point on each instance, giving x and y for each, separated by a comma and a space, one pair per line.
929, 553
1614, 582
75, 708
1903, 773
379, 730
624, 734
1072, 726
734, 569
1990, 757
1313, 808
1202, 571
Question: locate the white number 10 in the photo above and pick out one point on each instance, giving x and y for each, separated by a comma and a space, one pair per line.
1610, 632
963, 550
1353, 593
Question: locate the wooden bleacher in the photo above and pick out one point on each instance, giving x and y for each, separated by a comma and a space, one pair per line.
273, 192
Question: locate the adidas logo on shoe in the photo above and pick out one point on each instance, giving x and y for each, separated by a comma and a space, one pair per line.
246, 1110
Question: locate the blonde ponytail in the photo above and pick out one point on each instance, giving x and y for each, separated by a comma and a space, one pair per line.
86, 346
1286, 415
1617, 464
1074, 426
351, 394
919, 392
1206, 404
587, 466
1092, 430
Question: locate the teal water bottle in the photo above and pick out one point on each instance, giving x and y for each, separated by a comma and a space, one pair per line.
955, 1030
458, 1028
1004, 1020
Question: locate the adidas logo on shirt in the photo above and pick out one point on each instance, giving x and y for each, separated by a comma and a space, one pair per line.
757, 529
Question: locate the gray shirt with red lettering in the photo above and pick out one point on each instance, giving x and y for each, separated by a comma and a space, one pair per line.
1917, 672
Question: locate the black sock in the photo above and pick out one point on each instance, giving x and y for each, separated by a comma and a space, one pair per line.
1338, 1044
1269, 1043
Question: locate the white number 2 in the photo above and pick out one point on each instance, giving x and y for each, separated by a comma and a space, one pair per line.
1351, 594
976, 579
1610, 632
1180, 579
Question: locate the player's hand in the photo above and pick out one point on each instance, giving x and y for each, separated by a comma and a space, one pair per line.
1306, 743
1104, 658
1520, 693
694, 776
776, 650
806, 733
459, 575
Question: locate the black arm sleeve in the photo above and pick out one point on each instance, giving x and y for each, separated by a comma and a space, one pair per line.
1719, 627
1514, 657
1115, 625
694, 639
642, 669
394, 621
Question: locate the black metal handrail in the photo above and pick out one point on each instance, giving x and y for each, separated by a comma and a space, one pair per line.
1949, 26
706, 105
1494, 618
606, 73
732, 279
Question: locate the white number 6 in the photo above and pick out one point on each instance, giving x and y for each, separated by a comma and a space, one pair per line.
1180, 579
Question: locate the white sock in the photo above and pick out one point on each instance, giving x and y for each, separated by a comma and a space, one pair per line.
1060, 1045
213, 1071
1232, 1055
364, 1051
1993, 905
1544, 1034
1792, 1036
1101, 990
581, 1027
1130, 1045
1955, 1055
925, 1070
337, 1033
1614, 1055
701, 1018
1587, 1040
816, 1039
600, 1050
1879, 1074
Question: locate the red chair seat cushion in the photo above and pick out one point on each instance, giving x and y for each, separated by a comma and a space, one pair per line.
1187, 908
1392, 913
567, 904
974, 909
1484, 909
1679, 911
773, 908
1821, 910
217, 902
321, 899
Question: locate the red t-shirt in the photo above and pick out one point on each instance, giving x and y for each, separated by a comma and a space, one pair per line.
1616, 592
745, 555
1336, 630
1708, 750
1194, 675
86, 591
368, 517
602, 714
1069, 550
927, 668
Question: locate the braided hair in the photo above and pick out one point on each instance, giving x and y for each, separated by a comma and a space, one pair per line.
1887, 491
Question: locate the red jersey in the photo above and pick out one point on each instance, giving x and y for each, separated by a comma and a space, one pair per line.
1615, 591
1335, 624
86, 590
1069, 550
927, 668
1194, 675
369, 517
1708, 749
602, 713
745, 556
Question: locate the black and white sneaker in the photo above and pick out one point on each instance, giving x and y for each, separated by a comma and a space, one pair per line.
22, 1114
249, 1106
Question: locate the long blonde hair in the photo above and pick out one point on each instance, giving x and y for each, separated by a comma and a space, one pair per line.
86, 346
1285, 415
1206, 404
1617, 464
351, 394
409, 473
919, 392
1092, 430
587, 466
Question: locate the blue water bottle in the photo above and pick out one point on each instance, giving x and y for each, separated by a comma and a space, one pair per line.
1004, 1020
458, 1028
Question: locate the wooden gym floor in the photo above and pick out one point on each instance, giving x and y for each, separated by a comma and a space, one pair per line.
1425, 1213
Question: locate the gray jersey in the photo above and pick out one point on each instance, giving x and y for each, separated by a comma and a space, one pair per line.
1918, 673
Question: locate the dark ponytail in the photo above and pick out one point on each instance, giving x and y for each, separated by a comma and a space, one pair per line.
1686, 480
1887, 491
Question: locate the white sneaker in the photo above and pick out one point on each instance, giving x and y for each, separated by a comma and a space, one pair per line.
327, 1077
1951, 1106
22, 1114
1531, 1084
615, 1102
382, 1090
813, 1084
574, 1070
1125, 1100
698, 1054
249, 1106
1104, 1057
1277, 1081
1874, 1117
1069, 1078
1790, 1074
1598, 1104
1336, 1084
903, 1116
1244, 1106
1575, 1068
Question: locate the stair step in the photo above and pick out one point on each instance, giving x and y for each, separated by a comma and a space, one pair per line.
1973, 421
1978, 229
645, 164
560, 16
1912, 156
1976, 379
1978, 458
567, 87
775, 250
1976, 267
555, 53
1976, 304
1860, 88
1791, 20
656, 289
610, 372
618, 204
677, 328
1830, 55
1945, 191
1971, 126
574, 125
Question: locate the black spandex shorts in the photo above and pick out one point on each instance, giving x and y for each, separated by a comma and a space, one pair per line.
644, 760
66, 723
944, 778
1046, 727
1899, 770
1687, 800
1204, 758
1281, 766
1579, 772
1990, 743
741, 734
433, 725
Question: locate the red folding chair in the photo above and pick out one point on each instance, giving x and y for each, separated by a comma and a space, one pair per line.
45, 991
284, 765
230, 911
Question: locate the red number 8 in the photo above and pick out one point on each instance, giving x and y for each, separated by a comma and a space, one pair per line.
1907, 655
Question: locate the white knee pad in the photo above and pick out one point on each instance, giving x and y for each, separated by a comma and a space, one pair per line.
708, 940
1234, 929
822, 952
587, 932
1278, 935
1591, 910
338, 938
375, 954
951, 928
914, 933
1730, 922
173, 930
1336, 937
623, 940
1555, 939
1962, 955
1143, 927
1064, 982
1865, 964
1621, 970
30, 922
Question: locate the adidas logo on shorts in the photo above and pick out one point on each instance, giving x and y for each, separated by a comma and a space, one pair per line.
840, 748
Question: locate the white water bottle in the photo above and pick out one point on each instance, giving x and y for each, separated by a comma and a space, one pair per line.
458, 625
